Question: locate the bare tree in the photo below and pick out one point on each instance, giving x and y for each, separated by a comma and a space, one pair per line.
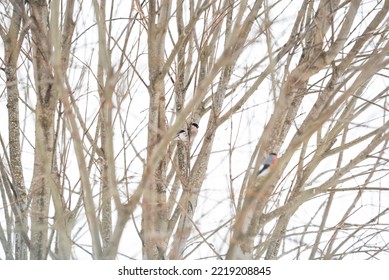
111, 89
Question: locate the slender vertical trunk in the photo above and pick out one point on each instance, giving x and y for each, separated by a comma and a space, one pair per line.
106, 205
106, 195
12, 45
60, 61
154, 219
47, 99
15, 156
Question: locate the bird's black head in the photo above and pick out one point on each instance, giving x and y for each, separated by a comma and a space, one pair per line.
195, 125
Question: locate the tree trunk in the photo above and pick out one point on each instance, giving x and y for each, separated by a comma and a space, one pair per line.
47, 99
154, 217
12, 44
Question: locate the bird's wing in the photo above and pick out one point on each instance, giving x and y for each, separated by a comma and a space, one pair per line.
265, 166
181, 135
263, 169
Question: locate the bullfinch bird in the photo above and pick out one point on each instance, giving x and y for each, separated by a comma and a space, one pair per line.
269, 163
188, 134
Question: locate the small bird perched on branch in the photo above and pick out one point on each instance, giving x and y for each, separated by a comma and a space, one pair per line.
188, 134
269, 163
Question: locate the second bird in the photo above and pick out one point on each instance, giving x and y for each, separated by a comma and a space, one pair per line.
269, 163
